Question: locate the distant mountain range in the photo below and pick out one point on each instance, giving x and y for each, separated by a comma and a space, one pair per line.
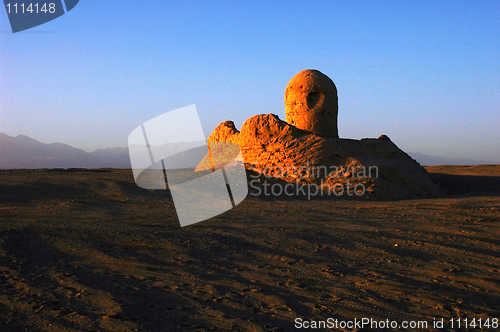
23, 152
27, 153
426, 160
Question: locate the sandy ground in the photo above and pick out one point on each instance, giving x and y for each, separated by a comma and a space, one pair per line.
90, 251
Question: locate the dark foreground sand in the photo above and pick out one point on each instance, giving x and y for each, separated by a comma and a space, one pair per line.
89, 251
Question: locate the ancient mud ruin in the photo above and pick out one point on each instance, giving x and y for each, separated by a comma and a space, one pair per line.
306, 151
311, 103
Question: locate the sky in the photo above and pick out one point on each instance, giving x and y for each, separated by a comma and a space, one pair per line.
424, 73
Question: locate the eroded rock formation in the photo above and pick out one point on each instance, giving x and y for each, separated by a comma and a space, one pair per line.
306, 153
311, 103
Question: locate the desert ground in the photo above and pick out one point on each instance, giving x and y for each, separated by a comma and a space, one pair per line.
87, 250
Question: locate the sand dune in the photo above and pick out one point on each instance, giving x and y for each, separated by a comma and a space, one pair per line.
87, 250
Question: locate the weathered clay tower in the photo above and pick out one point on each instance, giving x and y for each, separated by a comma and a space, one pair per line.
311, 103
309, 141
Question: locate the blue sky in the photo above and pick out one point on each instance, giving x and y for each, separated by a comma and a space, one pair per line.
425, 73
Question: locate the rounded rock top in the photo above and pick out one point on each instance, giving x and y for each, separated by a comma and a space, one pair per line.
311, 103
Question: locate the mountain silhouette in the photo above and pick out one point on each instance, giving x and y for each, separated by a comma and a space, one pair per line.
426, 160
23, 152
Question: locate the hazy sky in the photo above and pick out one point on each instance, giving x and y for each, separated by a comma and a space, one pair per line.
425, 73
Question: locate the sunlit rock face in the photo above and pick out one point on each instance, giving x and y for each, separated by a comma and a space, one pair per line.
306, 150
311, 103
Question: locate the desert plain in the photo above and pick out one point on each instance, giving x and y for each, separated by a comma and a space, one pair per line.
88, 250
